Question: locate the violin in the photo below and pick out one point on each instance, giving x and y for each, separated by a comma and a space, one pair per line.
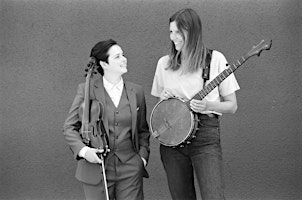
91, 112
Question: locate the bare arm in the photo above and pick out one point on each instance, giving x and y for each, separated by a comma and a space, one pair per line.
227, 105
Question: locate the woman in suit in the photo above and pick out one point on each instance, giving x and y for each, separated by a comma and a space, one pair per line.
124, 120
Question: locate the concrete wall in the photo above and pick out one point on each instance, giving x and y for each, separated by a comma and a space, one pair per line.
45, 46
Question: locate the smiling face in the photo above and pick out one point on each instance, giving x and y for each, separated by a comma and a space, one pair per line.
176, 36
117, 62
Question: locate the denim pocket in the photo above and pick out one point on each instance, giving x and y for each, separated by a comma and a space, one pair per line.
208, 132
208, 122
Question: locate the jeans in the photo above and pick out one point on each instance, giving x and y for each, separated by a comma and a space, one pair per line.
203, 156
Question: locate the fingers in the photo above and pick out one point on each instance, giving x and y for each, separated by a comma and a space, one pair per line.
198, 105
91, 155
169, 94
99, 150
166, 94
194, 107
97, 159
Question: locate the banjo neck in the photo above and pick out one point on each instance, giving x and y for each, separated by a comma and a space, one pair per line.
218, 79
256, 50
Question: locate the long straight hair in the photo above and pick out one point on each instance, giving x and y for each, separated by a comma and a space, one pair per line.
192, 56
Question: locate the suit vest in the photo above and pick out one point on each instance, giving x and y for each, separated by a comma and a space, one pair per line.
119, 124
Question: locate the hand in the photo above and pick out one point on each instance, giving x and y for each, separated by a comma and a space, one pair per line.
91, 155
166, 94
198, 105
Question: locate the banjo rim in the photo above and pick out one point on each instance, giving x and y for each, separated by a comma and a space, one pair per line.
187, 136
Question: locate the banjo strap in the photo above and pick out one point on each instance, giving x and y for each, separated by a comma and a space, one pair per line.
206, 70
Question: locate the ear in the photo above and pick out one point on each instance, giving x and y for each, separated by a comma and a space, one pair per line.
103, 64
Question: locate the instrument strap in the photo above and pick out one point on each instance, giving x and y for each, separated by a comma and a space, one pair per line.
206, 70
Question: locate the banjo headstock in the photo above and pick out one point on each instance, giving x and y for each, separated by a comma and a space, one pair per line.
256, 50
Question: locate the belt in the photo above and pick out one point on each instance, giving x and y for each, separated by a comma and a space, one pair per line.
209, 115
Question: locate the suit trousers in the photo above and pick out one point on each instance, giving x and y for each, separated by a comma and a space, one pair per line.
203, 156
124, 180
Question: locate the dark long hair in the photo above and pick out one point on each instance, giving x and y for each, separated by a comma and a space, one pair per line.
100, 53
192, 55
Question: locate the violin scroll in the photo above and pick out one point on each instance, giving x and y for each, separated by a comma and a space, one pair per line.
90, 70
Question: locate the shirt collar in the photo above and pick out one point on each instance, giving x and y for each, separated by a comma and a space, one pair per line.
110, 86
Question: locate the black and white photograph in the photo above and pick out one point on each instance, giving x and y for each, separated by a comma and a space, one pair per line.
151, 100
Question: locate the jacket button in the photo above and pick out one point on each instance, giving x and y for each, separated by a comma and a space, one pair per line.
116, 124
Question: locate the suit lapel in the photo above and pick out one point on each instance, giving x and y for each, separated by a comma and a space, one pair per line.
99, 92
133, 105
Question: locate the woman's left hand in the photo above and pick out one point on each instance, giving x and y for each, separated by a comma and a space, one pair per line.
198, 105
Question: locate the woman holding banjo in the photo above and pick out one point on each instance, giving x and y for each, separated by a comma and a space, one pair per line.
181, 75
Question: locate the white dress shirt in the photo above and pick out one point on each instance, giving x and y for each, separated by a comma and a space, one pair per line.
115, 93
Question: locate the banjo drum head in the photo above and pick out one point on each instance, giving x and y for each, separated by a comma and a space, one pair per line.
171, 122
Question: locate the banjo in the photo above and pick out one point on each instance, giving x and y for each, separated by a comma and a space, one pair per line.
173, 123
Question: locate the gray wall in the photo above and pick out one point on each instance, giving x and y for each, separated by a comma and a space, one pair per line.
45, 46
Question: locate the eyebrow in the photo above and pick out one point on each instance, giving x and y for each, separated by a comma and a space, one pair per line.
120, 53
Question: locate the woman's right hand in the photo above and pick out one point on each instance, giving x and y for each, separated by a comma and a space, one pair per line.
166, 95
91, 155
